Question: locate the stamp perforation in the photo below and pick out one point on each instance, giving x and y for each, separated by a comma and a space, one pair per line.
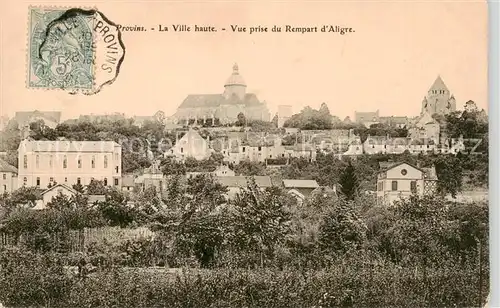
28, 64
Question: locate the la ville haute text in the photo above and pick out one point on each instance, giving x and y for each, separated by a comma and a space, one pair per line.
239, 29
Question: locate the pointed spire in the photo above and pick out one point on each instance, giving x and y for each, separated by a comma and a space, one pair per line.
235, 69
438, 84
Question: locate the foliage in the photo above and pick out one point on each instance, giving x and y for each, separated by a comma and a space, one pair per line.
342, 229
311, 119
348, 182
260, 219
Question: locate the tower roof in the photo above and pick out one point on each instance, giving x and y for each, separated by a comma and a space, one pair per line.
235, 78
438, 84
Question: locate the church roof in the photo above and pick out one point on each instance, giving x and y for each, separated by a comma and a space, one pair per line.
438, 84
235, 78
216, 100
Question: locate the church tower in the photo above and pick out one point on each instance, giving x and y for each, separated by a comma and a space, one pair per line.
235, 84
438, 99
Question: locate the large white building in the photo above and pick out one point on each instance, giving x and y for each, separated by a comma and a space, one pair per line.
69, 162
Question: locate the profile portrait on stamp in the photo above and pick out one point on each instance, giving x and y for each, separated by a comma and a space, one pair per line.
76, 50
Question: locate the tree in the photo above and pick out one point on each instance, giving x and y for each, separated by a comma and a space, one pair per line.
348, 182
323, 110
275, 120
261, 220
241, 120
342, 229
96, 187
449, 172
169, 166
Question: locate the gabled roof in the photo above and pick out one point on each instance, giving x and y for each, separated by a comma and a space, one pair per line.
391, 165
429, 172
366, 116
5, 167
242, 181
300, 184
60, 185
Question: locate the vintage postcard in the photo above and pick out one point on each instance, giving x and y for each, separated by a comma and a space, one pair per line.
244, 154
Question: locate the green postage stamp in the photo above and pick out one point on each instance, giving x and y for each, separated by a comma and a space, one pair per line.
72, 49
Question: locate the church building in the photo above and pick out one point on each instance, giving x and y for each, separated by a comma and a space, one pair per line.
214, 109
438, 99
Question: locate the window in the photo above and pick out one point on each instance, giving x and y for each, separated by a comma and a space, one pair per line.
25, 161
93, 162
404, 171
65, 162
5, 188
106, 161
25, 181
65, 180
38, 161
394, 185
413, 186
78, 181
38, 182
4, 176
116, 182
243, 149
116, 168
260, 148
105, 182
51, 180
79, 162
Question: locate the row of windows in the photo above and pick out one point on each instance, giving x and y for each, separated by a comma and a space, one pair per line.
51, 180
65, 162
394, 186
438, 92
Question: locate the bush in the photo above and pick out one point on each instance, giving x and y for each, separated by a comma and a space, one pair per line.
357, 281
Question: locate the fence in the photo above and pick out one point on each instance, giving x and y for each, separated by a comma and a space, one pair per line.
79, 240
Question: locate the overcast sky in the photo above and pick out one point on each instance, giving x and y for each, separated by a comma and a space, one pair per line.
389, 63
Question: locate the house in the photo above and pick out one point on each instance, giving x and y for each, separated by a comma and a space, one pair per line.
48, 194
355, 147
376, 144
223, 170
422, 146
400, 180
8, 181
300, 189
425, 127
69, 162
299, 150
235, 183
367, 118
152, 177
192, 144
395, 121
128, 182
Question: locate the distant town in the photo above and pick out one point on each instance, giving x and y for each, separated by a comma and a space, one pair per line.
232, 136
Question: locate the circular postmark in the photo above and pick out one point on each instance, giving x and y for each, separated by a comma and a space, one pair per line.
77, 50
